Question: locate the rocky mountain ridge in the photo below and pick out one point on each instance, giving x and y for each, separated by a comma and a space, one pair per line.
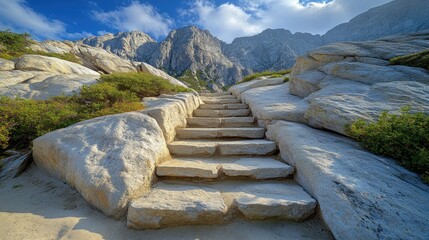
197, 55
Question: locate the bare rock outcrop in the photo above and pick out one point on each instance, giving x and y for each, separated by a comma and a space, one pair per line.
110, 160
343, 82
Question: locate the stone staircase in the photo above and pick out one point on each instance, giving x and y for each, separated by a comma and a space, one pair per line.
222, 167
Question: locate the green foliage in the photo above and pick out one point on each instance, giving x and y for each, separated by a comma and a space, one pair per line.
14, 45
14, 42
403, 137
22, 120
28, 119
268, 74
286, 79
142, 84
65, 56
420, 59
194, 82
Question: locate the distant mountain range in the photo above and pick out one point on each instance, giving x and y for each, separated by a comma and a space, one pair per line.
197, 57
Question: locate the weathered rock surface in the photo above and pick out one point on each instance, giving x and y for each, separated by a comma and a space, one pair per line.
195, 133
221, 113
52, 46
251, 167
274, 103
225, 148
285, 200
197, 51
8, 78
110, 160
171, 111
6, 65
274, 49
186, 205
50, 64
361, 195
335, 111
99, 59
128, 45
239, 88
50, 86
221, 122
343, 82
144, 67
396, 17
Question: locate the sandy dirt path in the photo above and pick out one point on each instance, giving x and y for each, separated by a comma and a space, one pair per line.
36, 206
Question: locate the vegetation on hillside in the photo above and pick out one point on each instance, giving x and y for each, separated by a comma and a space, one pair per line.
14, 45
268, 74
403, 137
22, 120
420, 59
194, 82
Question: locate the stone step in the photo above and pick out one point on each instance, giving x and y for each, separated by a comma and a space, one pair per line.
221, 122
170, 205
221, 101
195, 133
221, 113
215, 94
224, 106
218, 97
222, 147
177, 203
251, 167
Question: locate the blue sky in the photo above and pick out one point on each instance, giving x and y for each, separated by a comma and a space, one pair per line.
73, 19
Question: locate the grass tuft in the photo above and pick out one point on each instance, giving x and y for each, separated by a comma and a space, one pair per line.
268, 74
420, 59
403, 137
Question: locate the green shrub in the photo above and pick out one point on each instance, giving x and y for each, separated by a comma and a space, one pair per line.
403, 137
22, 120
266, 74
14, 45
14, 42
65, 56
286, 79
28, 119
420, 59
142, 84
194, 82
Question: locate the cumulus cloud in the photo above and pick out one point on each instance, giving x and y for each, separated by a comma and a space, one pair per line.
248, 17
136, 17
17, 16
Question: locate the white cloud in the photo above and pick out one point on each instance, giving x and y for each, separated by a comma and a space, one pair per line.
17, 16
225, 21
228, 21
136, 17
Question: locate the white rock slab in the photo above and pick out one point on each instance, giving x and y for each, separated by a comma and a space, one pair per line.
361, 195
251, 167
221, 122
284, 200
170, 205
236, 90
51, 64
195, 133
110, 160
6, 65
274, 103
224, 148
